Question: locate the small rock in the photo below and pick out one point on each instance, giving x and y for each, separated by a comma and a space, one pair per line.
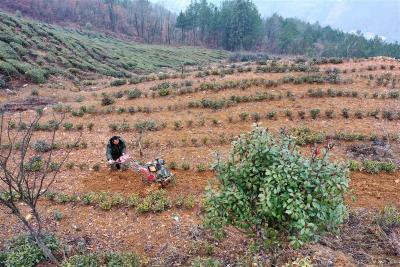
10, 92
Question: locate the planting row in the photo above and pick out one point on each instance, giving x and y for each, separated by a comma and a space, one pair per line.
156, 201
44, 146
373, 167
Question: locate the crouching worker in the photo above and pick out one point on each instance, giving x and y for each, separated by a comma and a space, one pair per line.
115, 149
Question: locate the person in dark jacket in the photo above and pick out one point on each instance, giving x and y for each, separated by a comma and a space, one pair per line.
116, 148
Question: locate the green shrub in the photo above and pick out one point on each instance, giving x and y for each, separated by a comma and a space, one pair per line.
314, 113
70, 165
36, 75
359, 114
205, 262
244, 116
185, 166
329, 113
346, 113
135, 93
177, 125
374, 167
107, 100
122, 260
88, 198
55, 166
256, 116
34, 92
58, 216
289, 114
388, 218
304, 135
164, 92
355, 165
271, 115
156, 202
87, 260
118, 94
121, 110
388, 115
68, 126
3, 83
133, 200
41, 146
201, 167
22, 251
173, 165
96, 167
118, 82
35, 164
7, 69
78, 113
3, 258
276, 191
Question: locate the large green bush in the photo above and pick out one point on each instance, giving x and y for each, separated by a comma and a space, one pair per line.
23, 251
36, 75
270, 190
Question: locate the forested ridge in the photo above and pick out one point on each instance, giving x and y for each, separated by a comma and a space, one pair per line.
234, 25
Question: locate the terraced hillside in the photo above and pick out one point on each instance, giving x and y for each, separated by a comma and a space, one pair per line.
186, 119
35, 51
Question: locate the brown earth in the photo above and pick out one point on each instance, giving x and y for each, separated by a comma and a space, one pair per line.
169, 233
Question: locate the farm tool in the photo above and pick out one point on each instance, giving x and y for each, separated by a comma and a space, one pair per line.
150, 172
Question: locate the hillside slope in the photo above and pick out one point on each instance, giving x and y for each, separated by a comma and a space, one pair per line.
36, 51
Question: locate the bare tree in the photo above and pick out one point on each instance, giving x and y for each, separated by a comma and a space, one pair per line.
26, 174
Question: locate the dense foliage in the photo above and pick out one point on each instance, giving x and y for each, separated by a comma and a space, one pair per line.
36, 51
23, 252
234, 25
270, 190
293, 36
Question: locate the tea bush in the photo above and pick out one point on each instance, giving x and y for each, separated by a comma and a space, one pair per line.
314, 113
276, 192
156, 202
118, 82
42, 146
304, 136
135, 93
388, 218
107, 100
22, 251
346, 113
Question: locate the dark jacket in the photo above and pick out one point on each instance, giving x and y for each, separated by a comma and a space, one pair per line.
115, 151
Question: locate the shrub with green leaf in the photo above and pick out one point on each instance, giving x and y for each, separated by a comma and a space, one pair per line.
269, 189
156, 202
388, 218
118, 82
205, 262
134, 93
41, 146
314, 113
107, 100
36, 75
22, 251
373, 167
91, 260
